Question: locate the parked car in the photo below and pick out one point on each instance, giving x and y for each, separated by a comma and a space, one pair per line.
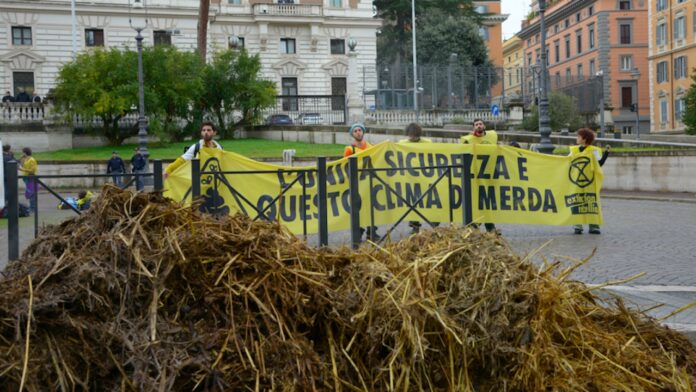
310, 118
278, 119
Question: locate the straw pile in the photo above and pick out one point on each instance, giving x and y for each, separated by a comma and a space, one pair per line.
140, 294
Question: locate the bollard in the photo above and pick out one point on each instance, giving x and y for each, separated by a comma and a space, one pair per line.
195, 179
322, 203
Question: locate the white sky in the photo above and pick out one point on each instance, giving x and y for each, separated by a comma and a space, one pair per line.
517, 9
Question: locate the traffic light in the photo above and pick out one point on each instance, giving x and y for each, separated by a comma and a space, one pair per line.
633, 107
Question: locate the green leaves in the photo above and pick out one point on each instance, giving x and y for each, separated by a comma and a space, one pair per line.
562, 113
177, 87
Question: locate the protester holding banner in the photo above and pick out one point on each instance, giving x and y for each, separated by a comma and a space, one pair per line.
480, 135
585, 138
208, 132
28, 167
414, 132
357, 131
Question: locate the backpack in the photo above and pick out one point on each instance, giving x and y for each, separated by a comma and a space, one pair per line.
196, 149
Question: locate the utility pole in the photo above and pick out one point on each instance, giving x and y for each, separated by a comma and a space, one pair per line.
203, 11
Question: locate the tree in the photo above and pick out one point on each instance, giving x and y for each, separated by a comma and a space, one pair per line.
231, 83
689, 115
440, 35
173, 86
562, 113
100, 83
394, 40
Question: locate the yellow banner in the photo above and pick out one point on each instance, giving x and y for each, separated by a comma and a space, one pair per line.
509, 185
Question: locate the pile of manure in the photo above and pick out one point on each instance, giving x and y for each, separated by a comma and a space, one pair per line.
139, 293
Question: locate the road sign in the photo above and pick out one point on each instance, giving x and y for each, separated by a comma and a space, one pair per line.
495, 110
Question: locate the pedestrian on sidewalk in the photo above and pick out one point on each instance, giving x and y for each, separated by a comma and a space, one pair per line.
28, 167
138, 167
116, 168
584, 139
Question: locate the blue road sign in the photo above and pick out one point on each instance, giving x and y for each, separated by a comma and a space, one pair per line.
495, 110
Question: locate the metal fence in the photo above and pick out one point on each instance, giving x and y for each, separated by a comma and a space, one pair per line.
309, 109
451, 86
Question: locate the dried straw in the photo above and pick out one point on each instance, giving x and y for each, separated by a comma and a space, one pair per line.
142, 294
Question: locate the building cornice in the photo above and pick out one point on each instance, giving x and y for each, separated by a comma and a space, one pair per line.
555, 17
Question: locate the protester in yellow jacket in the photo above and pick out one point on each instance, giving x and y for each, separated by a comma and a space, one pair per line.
584, 139
480, 135
208, 132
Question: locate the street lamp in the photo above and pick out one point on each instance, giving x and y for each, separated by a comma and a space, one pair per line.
635, 73
139, 26
545, 145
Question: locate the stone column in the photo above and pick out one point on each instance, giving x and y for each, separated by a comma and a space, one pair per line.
356, 106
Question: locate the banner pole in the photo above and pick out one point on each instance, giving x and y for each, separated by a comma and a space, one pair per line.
157, 171
195, 179
355, 234
12, 211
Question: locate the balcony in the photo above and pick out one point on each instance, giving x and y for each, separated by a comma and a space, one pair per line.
287, 10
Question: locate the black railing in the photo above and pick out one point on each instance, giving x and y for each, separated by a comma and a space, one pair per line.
247, 207
12, 197
307, 110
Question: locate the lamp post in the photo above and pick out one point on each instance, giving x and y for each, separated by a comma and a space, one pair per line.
415, 73
142, 120
545, 145
635, 73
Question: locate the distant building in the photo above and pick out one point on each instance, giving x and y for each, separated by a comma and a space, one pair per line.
513, 65
672, 57
492, 33
587, 39
302, 44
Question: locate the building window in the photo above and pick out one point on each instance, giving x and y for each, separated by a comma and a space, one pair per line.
580, 72
625, 29
591, 37
338, 46
338, 89
661, 34
567, 23
234, 2
664, 114
577, 17
287, 45
94, 37
23, 81
336, 3
162, 37
557, 49
578, 41
679, 108
555, 28
679, 27
593, 71
240, 43
569, 75
590, 10
680, 69
529, 59
662, 72
661, 4
558, 79
624, 4
483, 32
289, 88
627, 129
21, 35
567, 46
626, 97
626, 62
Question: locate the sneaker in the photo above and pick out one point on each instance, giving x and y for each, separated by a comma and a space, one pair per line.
595, 231
579, 231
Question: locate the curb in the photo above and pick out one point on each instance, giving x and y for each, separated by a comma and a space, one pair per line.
669, 199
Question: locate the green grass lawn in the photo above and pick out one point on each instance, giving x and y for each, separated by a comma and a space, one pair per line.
253, 148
